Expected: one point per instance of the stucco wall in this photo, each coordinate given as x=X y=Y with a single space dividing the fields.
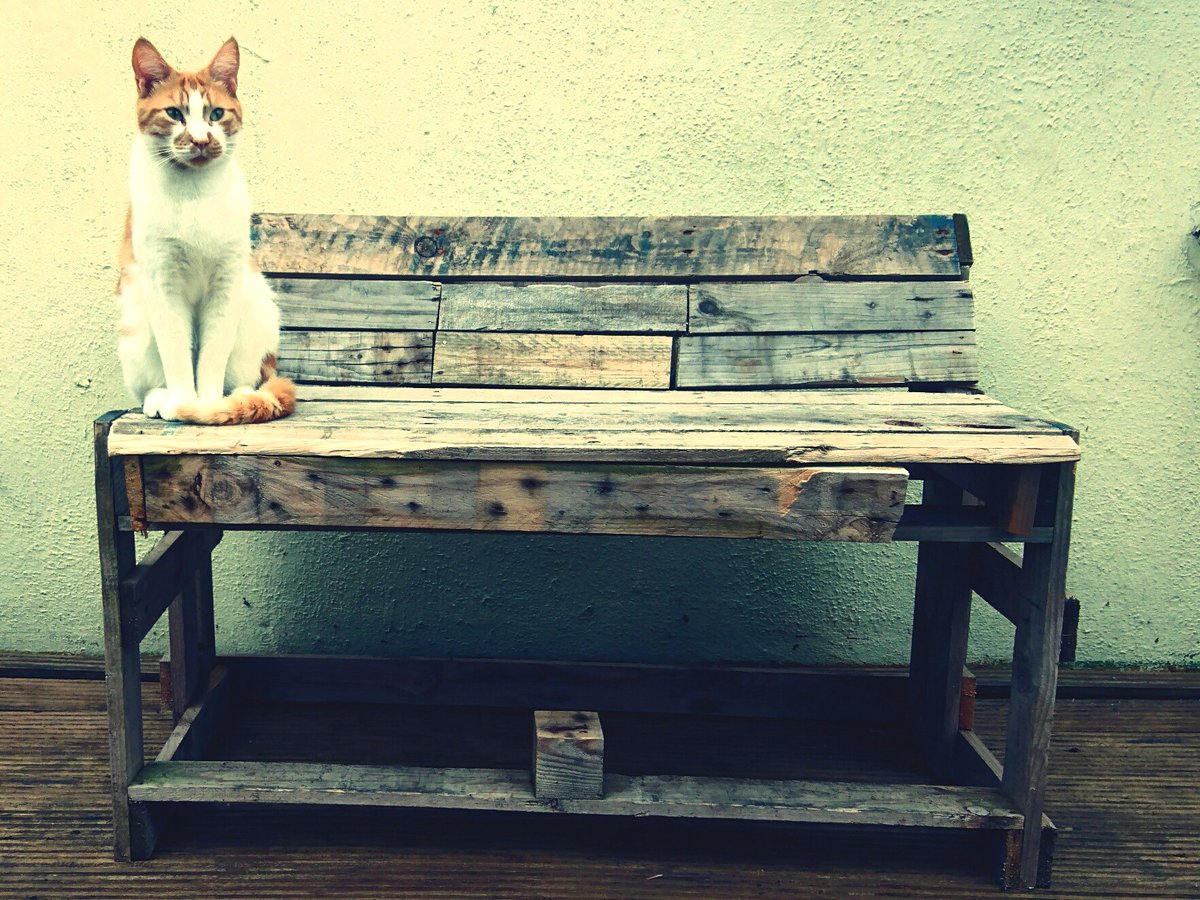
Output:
x=1068 y=132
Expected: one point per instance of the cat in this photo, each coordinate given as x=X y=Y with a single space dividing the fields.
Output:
x=199 y=328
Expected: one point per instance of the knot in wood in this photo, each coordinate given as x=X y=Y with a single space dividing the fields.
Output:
x=219 y=490
x=426 y=246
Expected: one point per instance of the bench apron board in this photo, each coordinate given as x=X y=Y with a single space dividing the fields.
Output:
x=782 y=378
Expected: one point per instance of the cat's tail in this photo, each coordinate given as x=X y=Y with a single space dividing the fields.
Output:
x=274 y=398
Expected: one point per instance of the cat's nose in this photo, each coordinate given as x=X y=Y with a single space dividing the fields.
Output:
x=202 y=141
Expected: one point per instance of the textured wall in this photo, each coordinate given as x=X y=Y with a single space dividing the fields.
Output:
x=1067 y=132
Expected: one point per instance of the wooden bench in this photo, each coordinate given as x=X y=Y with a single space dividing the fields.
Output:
x=781 y=378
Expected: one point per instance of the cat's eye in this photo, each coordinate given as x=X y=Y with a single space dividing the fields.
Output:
x=175 y=113
x=216 y=114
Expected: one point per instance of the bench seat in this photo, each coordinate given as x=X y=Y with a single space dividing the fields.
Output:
x=885 y=426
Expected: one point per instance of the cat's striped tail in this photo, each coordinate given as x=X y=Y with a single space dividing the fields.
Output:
x=274 y=398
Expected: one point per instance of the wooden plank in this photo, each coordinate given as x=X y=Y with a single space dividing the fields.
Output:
x=362 y=357
x=941 y=620
x=654 y=447
x=156 y=580
x=356 y=304
x=798 y=415
x=775 y=360
x=502 y=789
x=580 y=308
x=853 y=503
x=134 y=829
x=1039 y=618
x=882 y=395
x=834 y=694
x=1021 y=499
x=568 y=754
x=552 y=360
x=996 y=578
x=199 y=723
x=812 y=304
x=662 y=247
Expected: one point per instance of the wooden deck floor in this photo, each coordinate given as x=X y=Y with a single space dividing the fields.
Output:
x=1124 y=792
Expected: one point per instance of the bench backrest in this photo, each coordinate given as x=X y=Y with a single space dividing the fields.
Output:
x=669 y=302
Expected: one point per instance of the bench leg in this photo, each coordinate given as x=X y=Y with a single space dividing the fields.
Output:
x=941 y=618
x=1035 y=666
x=193 y=638
x=134 y=828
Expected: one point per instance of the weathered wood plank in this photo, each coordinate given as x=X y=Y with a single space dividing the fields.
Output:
x=580 y=308
x=568 y=754
x=357 y=304
x=836 y=694
x=134 y=829
x=157 y=579
x=735 y=360
x=879 y=396
x=899 y=246
x=582 y=360
x=789 y=417
x=365 y=357
x=408 y=440
x=503 y=789
x=996 y=577
x=853 y=504
x=1039 y=618
x=813 y=304
x=200 y=721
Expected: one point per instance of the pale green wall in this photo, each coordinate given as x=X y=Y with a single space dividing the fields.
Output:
x=1069 y=132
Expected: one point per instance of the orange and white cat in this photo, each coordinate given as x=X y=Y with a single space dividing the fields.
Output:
x=199 y=328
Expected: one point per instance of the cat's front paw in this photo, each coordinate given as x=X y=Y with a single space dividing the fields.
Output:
x=161 y=403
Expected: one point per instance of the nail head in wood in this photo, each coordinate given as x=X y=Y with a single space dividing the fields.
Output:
x=568 y=755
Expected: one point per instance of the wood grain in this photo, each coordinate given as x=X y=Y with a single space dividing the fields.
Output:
x=411 y=440
x=356 y=304
x=568 y=754
x=853 y=504
x=813 y=304
x=581 y=360
x=500 y=789
x=364 y=357
x=581 y=308
x=732 y=360
x=913 y=246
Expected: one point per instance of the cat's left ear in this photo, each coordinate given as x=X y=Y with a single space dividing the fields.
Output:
x=224 y=66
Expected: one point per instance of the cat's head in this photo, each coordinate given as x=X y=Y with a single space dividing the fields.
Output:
x=189 y=120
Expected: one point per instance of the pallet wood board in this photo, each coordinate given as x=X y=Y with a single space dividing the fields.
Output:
x=618 y=416
x=812 y=304
x=600 y=247
x=356 y=304
x=552 y=360
x=369 y=357
x=761 y=360
x=851 y=504
x=672 y=796
x=407 y=440
x=580 y=308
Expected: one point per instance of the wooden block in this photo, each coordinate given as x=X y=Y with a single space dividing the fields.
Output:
x=812 y=304
x=762 y=360
x=568 y=755
x=355 y=304
x=553 y=360
x=357 y=357
x=597 y=247
x=580 y=308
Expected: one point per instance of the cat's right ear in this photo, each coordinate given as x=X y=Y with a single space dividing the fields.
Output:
x=149 y=68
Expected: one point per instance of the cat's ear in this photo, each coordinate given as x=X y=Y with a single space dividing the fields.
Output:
x=224 y=66
x=149 y=68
